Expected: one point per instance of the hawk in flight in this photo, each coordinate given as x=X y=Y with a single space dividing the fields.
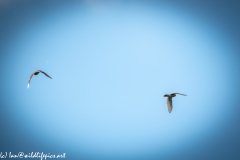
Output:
x=169 y=100
x=36 y=73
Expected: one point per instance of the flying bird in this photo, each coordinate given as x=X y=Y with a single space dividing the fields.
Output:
x=169 y=100
x=36 y=73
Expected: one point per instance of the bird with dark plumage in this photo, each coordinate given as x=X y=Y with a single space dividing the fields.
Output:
x=36 y=73
x=169 y=100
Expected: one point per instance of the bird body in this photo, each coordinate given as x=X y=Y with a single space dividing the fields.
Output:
x=36 y=73
x=169 y=100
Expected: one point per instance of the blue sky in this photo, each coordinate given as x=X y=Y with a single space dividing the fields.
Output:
x=111 y=64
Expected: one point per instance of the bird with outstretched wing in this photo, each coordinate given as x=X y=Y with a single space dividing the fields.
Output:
x=36 y=73
x=169 y=100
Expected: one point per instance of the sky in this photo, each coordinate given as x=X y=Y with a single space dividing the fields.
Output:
x=111 y=62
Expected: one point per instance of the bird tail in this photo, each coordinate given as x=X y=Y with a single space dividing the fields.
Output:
x=28 y=85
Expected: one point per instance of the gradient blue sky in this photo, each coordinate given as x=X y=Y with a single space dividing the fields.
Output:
x=111 y=64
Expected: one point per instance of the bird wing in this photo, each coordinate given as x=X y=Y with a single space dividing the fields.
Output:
x=180 y=94
x=169 y=104
x=30 y=79
x=45 y=74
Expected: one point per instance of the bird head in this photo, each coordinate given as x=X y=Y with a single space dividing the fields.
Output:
x=165 y=95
